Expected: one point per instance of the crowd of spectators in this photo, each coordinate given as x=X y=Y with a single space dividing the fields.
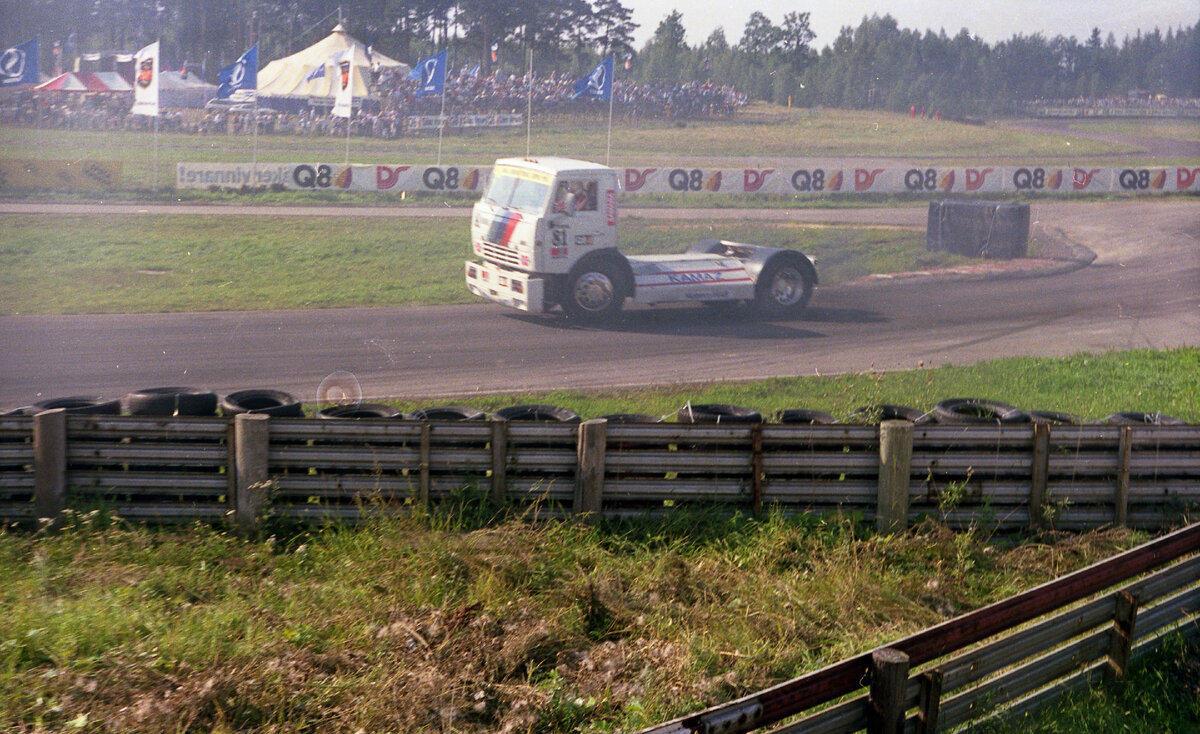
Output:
x=392 y=112
x=1134 y=101
x=509 y=93
x=1133 y=106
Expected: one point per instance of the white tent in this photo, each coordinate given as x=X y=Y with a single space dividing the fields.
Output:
x=176 y=90
x=292 y=76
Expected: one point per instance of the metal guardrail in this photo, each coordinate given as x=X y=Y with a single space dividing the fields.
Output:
x=242 y=469
x=1009 y=675
x=1003 y=477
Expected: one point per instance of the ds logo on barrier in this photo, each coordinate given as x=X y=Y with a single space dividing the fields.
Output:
x=976 y=178
x=864 y=179
x=753 y=180
x=1185 y=177
x=636 y=179
x=386 y=176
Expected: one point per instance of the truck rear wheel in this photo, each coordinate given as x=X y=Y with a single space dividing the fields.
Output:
x=783 y=287
x=594 y=292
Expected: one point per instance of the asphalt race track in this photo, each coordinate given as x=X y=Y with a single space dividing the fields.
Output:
x=1143 y=290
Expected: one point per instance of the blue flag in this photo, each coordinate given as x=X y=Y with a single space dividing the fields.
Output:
x=19 y=64
x=598 y=83
x=431 y=73
x=317 y=73
x=241 y=74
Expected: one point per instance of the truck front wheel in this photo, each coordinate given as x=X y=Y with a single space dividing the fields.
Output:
x=783 y=288
x=593 y=292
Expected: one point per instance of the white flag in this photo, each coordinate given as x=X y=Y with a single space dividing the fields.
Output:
x=145 y=85
x=343 y=102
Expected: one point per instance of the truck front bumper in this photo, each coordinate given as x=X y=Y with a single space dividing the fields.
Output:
x=510 y=288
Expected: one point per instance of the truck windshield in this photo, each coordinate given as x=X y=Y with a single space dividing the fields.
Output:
x=517 y=193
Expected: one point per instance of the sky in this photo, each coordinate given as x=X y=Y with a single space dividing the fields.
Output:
x=991 y=20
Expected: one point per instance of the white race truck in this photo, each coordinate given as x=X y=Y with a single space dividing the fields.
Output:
x=545 y=233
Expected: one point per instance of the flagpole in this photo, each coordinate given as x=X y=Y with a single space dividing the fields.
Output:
x=442 y=117
x=255 y=164
x=612 y=92
x=350 y=106
x=529 y=102
x=156 y=154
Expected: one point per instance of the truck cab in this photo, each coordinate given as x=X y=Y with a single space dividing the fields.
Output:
x=545 y=233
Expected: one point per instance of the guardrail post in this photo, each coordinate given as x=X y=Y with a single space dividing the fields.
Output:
x=50 y=464
x=499 y=460
x=889 y=678
x=589 y=479
x=1121 y=493
x=425 y=480
x=756 y=469
x=251 y=442
x=1122 y=638
x=1039 y=476
x=930 y=701
x=895 y=465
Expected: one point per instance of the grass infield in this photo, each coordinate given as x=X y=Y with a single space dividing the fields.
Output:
x=156 y=263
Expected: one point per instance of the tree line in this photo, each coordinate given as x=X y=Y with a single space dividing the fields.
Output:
x=875 y=65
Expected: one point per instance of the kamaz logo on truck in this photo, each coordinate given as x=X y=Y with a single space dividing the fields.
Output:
x=692 y=277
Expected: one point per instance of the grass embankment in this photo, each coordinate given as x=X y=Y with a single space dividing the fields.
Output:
x=761 y=134
x=1088 y=385
x=152 y=263
x=458 y=622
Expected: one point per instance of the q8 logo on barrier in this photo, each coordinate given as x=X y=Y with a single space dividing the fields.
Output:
x=450 y=178
x=1141 y=179
x=1036 y=179
x=808 y=181
x=916 y=179
x=680 y=179
x=321 y=177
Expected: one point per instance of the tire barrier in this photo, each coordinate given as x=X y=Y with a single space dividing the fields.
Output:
x=1142 y=419
x=271 y=402
x=362 y=410
x=992 y=230
x=717 y=413
x=77 y=404
x=976 y=410
x=170 y=401
x=630 y=418
x=875 y=414
x=447 y=413
x=193 y=401
x=550 y=413
x=1054 y=418
x=800 y=416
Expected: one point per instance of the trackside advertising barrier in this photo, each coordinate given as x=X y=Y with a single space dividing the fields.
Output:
x=330 y=176
x=786 y=181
